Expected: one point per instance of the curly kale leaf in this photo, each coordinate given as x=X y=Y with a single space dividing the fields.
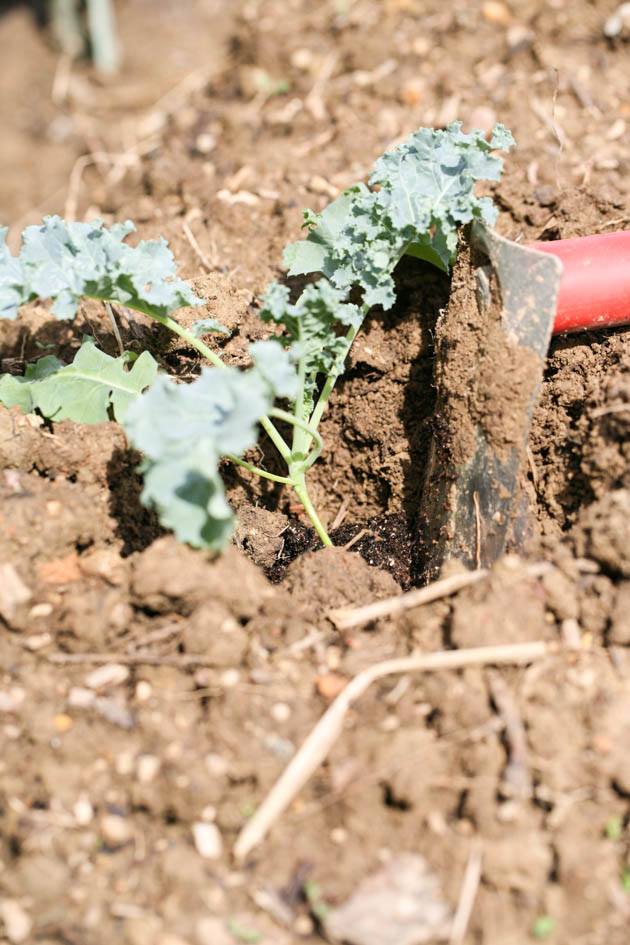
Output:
x=313 y=327
x=83 y=391
x=66 y=261
x=184 y=430
x=425 y=190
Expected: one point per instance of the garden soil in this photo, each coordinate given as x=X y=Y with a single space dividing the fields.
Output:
x=150 y=695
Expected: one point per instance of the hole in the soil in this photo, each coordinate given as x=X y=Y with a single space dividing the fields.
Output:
x=14 y=845
x=460 y=807
x=390 y=798
x=170 y=816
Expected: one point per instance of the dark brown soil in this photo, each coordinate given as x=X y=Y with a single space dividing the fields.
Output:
x=214 y=674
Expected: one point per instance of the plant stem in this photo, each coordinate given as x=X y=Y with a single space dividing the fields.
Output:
x=298 y=424
x=299 y=484
x=278 y=441
x=323 y=398
x=192 y=339
x=102 y=30
x=250 y=467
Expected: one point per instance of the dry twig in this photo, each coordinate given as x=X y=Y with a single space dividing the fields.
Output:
x=345 y=618
x=128 y=659
x=326 y=732
x=467 y=896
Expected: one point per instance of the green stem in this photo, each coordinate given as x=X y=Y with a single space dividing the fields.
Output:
x=298 y=408
x=327 y=389
x=299 y=424
x=192 y=339
x=299 y=484
x=250 y=467
x=278 y=441
x=102 y=30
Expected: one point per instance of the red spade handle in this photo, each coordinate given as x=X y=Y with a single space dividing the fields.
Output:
x=595 y=284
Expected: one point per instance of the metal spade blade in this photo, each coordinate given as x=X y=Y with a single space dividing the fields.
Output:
x=491 y=345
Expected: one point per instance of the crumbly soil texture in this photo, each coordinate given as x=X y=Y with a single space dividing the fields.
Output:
x=151 y=695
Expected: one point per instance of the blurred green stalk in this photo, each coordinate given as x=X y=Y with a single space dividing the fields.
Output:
x=102 y=31
x=68 y=29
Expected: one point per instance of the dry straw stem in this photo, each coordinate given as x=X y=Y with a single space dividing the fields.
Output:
x=345 y=618
x=468 y=894
x=321 y=739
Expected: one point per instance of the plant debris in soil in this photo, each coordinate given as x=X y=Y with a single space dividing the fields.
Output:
x=151 y=695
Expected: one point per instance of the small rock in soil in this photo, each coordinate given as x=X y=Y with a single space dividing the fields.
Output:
x=13 y=592
x=208 y=841
x=17 y=922
x=115 y=830
x=112 y=674
x=400 y=905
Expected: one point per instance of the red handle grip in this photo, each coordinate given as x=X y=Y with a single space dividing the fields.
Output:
x=595 y=284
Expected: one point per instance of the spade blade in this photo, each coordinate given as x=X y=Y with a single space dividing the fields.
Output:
x=491 y=345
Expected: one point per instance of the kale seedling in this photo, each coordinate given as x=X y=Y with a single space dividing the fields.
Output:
x=419 y=195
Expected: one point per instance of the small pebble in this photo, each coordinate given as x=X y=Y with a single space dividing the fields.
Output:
x=144 y=691
x=205 y=143
x=209 y=813
x=617 y=130
x=62 y=722
x=80 y=698
x=11 y=699
x=303 y=925
x=329 y=685
x=519 y=38
x=280 y=712
x=125 y=763
x=496 y=13
x=17 y=922
x=116 y=831
x=338 y=836
x=390 y=723
x=41 y=610
x=412 y=92
x=83 y=811
x=230 y=678
x=619 y=23
x=216 y=765
x=302 y=59
x=208 y=841
x=37 y=641
x=112 y=674
x=147 y=768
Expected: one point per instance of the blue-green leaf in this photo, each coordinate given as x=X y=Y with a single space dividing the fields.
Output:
x=276 y=365
x=66 y=261
x=314 y=326
x=83 y=391
x=183 y=430
x=422 y=192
